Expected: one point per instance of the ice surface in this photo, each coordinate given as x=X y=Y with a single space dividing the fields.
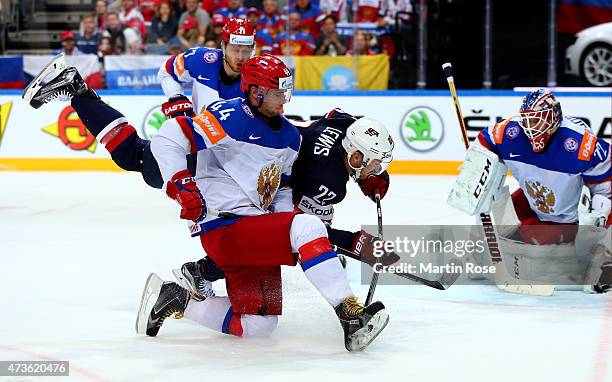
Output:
x=76 y=248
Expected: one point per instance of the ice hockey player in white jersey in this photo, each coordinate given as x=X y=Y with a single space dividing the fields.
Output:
x=246 y=150
x=552 y=157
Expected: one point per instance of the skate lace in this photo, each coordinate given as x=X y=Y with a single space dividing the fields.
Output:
x=352 y=308
x=177 y=315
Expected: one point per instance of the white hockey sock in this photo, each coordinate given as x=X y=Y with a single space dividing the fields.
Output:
x=318 y=260
x=216 y=313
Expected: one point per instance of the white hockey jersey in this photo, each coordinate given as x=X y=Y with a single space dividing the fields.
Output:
x=243 y=165
x=552 y=180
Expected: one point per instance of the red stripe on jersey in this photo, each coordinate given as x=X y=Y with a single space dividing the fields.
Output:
x=169 y=67
x=184 y=124
x=116 y=136
x=483 y=141
x=314 y=248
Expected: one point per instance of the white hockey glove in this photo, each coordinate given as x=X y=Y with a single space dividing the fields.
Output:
x=593 y=211
x=482 y=176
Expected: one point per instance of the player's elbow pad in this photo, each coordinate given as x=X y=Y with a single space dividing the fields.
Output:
x=481 y=177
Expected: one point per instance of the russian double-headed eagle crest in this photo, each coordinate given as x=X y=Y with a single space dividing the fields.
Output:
x=267 y=184
x=542 y=196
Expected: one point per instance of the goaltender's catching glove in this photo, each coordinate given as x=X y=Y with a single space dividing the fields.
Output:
x=183 y=188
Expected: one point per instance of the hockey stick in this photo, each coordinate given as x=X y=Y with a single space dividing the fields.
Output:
x=444 y=283
x=380 y=236
x=485 y=219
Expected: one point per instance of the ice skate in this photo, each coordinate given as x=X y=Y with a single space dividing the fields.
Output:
x=361 y=324
x=171 y=299
x=56 y=80
x=191 y=277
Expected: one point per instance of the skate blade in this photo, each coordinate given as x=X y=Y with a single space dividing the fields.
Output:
x=364 y=336
x=152 y=288
x=56 y=65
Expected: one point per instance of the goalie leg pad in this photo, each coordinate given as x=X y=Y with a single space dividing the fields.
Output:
x=481 y=177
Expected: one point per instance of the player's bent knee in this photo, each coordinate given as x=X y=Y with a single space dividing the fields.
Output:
x=258 y=326
x=304 y=229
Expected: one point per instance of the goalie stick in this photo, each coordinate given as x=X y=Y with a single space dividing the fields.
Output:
x=486 y=220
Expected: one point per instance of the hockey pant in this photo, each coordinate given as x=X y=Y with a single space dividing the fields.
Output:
x=337 y=237
x=250 y=251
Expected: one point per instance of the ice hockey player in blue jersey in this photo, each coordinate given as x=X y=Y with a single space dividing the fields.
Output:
x=552 y=157
x=246 y=150
x=212 y=73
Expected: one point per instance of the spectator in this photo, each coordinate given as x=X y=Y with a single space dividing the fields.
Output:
x=308 y=14
x=300 y=43
x=131 y=16
x=390 y=8
x=188 y=33
x=263 y=39
x=211 y=44
x=360 y=45
x=174 y=47
x=101 y=16
x=329 y=43
x=87 y=40
x=114 y=6
x=234 y=9
x=105 y=47
x=271 y=19
x=336 y=8
x=211 y=6
x=68 y=44
x=214 y=33
x=147 y=8
x=179 y=6
x=124 y=40
x=252 y=4
x=200 y=15
x=370 y=11
x=164 y=25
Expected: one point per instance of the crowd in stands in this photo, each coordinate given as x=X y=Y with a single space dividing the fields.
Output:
x=301 y=27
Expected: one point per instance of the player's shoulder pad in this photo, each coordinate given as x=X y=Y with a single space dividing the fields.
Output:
x=232 y=114
x=575 y=132
x=202 y=60
x=500 y=129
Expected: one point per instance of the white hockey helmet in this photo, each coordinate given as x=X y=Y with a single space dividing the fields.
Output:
x=371 y=138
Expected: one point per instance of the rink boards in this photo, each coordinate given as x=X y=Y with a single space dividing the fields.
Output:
x=422 y=123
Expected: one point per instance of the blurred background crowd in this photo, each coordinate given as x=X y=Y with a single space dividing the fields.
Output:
x=416 y=35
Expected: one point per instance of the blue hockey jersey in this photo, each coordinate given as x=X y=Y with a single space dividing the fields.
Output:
x=202 y=67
